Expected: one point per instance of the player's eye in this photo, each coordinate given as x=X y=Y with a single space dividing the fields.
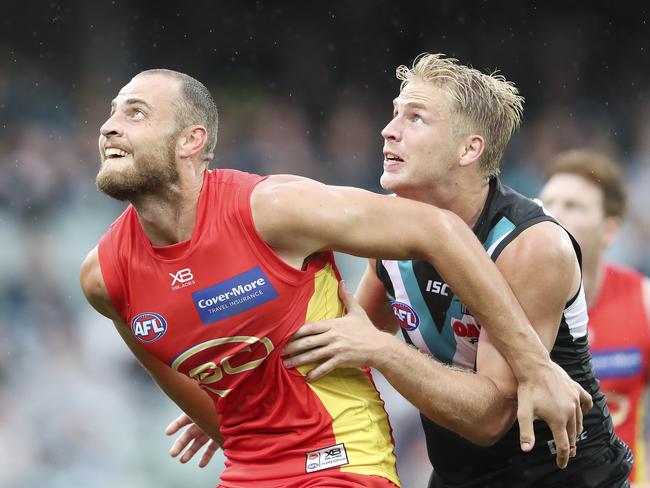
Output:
x=138 y=114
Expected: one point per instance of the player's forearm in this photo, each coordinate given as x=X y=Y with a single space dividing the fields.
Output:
x=465 y=403
x=195 y=403
x=475 y=279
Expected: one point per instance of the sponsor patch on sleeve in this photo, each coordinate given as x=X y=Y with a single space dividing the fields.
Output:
x=234 y=296
x=327 y=457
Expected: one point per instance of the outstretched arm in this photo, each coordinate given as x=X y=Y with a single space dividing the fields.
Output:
x=298 y=217
x=480 y=407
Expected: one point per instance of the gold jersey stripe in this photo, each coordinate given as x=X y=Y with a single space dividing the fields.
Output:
x=359 y=419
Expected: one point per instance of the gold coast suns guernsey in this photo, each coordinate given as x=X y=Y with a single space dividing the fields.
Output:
x=219 y=308
x=619 y=338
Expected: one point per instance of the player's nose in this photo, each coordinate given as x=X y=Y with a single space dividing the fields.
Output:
x=112 y=126
x=391 y=131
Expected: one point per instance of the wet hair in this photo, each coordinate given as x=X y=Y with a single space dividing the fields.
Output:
x=599 y=169
x=194 y=106
x=482 y=103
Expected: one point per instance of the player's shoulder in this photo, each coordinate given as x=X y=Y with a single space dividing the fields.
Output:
x=93 y=285
x=90 y=272
x=543 y=243
x=290 y=197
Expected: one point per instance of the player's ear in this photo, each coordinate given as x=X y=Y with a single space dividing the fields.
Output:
x=471 y=149
x=191 y=141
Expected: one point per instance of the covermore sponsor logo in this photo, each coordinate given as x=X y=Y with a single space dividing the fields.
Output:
x=234 y=296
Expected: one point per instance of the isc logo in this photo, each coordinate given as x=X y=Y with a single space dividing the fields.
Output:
x=406 y=316
x=148 y=326
x=437 y=287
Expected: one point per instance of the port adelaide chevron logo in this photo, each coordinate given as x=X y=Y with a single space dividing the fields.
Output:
x=148 y=326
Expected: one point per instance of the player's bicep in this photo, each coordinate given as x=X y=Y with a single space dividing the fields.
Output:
x=543 y=272
x=306 y=216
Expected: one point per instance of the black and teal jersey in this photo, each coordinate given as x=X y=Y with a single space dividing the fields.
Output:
x=433 y=319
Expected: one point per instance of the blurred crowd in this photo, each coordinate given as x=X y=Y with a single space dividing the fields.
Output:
x=71 y=396
x=75 y=409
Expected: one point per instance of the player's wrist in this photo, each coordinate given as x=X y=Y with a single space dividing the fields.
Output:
x=530 y=367
x=384 y=351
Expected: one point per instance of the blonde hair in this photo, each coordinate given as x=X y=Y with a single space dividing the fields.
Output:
x=486 y=104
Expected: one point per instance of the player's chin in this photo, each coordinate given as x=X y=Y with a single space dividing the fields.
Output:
x=390 y=181
x=116 y=164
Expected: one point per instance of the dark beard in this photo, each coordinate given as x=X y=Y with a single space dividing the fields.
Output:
x=149 y=174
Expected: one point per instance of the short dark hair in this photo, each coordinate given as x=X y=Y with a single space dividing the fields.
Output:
x=600 y=170
x=195 y=106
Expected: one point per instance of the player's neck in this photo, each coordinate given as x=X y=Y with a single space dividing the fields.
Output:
x=593 y=276
x=465 y=197
x=169 y=216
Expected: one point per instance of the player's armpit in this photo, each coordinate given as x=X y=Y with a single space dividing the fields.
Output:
x=542 y=270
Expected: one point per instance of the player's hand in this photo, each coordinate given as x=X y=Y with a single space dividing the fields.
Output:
x=193 y=437
x=552 y=396
x=345 y=342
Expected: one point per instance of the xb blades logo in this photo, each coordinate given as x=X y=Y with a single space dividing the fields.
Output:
x=182 y=278
x=332 y=452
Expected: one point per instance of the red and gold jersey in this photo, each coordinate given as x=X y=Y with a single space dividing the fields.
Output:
x=219 y=308
x=619 y=338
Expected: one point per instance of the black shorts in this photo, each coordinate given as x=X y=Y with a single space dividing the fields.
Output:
x=608 y=467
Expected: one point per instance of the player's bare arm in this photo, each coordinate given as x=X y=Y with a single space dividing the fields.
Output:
x=481 y=406
x=539 y=263
x=297 y=217
x=181 y=389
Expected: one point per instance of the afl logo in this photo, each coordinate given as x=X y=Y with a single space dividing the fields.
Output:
x=406 y=316
x=148 y=326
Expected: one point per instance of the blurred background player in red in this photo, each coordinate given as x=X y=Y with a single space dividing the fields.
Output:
x=586 y=191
